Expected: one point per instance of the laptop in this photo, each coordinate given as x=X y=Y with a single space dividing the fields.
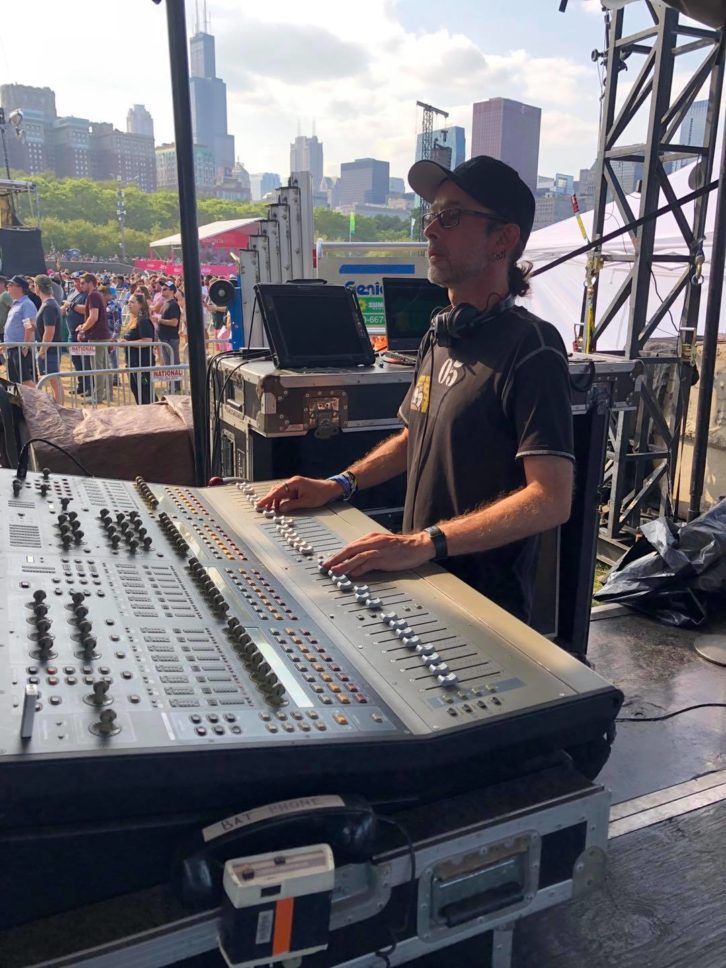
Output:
x=313 y=326
x=409 y=305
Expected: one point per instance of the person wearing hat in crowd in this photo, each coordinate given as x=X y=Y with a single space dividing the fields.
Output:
x=487 y=443
x=20 y=328
x=167 y=322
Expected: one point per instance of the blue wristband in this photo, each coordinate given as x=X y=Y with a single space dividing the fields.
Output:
x=345 y=483
x=348 y=482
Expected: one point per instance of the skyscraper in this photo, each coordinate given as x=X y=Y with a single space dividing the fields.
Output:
x=508 y=130
x=139 y=121
x=306 y=154
x=449 y=146
x=34 y=153
x=209 y=101
x=263 y=183
x=363 y=181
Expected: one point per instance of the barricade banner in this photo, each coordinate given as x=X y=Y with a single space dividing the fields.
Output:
x=169 y=374
x=78 y=349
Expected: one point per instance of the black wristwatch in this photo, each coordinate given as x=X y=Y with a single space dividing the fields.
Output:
x=441 y=549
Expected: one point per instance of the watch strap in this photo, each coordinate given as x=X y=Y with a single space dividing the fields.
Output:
x=441 y=549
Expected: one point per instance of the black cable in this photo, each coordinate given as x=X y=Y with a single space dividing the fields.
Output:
x=679 y=202
x=396 y=935
x=658 y=719
x=24 y=458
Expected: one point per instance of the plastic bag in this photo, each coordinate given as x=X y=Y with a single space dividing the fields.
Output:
x=672 y=570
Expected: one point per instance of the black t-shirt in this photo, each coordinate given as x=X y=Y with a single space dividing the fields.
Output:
x=171 y=310
x=474 y=410
x=76 y=312
x=49 y=314
x=142 y=329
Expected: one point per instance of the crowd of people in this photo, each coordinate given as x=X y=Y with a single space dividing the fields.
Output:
x=41 y=316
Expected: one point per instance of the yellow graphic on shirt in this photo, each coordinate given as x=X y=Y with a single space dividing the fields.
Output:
x=420 y=396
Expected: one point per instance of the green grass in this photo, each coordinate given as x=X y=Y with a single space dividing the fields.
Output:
x=601 y=571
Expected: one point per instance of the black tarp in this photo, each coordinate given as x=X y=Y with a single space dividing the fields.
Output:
x=673 y=570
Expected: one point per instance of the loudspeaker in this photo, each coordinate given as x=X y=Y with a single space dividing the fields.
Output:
x=21 y=252
x=221 y=292
x=460 y=321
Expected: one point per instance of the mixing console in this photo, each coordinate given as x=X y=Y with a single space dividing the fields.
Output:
x=161 y=643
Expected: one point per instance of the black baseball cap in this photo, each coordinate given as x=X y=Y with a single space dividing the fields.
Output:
x=20 y=281
x=488 y=180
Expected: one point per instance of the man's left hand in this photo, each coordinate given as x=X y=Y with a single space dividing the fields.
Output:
x=382 y=552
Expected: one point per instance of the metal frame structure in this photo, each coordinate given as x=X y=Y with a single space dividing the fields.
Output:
x=427 y=144
x=644 y=446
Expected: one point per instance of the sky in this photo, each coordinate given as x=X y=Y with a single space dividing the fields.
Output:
x=353 y=70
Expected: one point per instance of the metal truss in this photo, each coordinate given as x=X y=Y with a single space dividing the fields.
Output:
x=427 y=145
x=644 y=445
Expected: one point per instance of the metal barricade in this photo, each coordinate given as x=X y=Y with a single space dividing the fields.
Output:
x=76 y=379
x=212 y=346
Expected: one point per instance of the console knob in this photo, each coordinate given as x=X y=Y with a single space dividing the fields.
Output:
x=106 y=725
x=133 y=544
x=84 y=627
x=17 y=486
x=80 y=612
x=77 y=598
x=39 y=595
x=147 y=542
x=65 y=501
x=42 y=626
x=39 y=609
x=99 y=696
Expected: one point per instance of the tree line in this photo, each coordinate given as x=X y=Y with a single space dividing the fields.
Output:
x=77 y=213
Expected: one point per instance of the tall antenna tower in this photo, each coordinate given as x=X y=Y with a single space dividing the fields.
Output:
x=427 y=144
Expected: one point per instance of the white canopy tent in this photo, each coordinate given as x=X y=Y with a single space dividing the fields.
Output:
x=557 y=294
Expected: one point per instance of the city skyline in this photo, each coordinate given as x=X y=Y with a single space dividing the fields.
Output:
x=358 y=79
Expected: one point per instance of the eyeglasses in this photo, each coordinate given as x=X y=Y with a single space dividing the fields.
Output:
x=449 y=218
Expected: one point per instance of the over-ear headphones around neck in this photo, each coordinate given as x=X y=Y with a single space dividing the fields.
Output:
x=458 y=322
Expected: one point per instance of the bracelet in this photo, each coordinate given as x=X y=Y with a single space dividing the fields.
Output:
x=441 y=548
x=348 y=482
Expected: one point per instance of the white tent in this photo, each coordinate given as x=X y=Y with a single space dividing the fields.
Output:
x=557 y=294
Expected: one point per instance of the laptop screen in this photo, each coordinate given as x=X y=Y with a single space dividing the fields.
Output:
x=409 y=305
x=314 y=326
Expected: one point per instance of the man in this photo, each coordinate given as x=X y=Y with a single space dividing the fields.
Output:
x=49 y=330
x=487 y=442
x=167 y=324
x=20 y=328
x=56 y=282
x=6 y=301
x=95 y=330
x=75 y=313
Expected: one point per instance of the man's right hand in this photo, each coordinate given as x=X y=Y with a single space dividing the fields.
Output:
x=300 y=492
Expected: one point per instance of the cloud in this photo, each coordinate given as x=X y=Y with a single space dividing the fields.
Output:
x=294 y=53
